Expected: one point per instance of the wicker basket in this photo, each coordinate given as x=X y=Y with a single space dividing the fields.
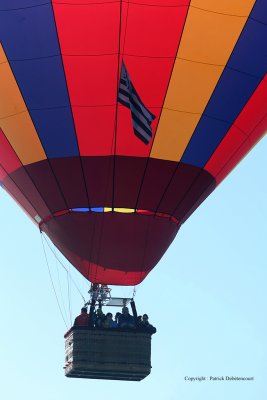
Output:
x=107 y=354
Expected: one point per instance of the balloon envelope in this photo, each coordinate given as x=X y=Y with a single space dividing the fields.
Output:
x=68 y=152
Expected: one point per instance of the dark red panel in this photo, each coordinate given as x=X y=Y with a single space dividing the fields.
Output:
x=62 y=183
x=30 y=191
x=157 y=176
x=99 y=177
x=12 y=165
x=131 y=244
x=72 y=181
x=128 y=177
x=47 y=185
x=177 y=187
x=16 y=194
x=200 y=188
x=188 y=206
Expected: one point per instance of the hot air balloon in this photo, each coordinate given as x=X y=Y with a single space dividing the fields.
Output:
x=110 y=201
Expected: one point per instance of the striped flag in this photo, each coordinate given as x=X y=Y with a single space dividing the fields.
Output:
x=141 y=116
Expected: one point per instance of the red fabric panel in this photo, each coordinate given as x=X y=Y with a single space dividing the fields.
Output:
x=94 y=106
x=149 y=39
x=89 y=50
x=255 y=109
x=95 y=126
x=154 y=31
x=3 y=174
x=244 y=148
x=8 y=157
x=227 y=149
x=150 y=46
x=259 y=131
x=241 y=136
x=92 y=28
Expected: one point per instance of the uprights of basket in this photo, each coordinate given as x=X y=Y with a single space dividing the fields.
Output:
x=99 y=293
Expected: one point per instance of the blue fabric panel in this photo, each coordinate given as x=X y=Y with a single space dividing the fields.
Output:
x=250 y=55
x=30 y=41
x=231 y=94
x=29 y=33
x=209 y=131
x=18 y=4
x=53 y=127
x=259 y=11
x=86 y=209
x=97 y=209
x=52 y=92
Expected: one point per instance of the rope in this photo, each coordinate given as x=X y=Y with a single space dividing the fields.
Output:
x=60 y=289
x=69 y=296
x=53 y=286
x=75 y=284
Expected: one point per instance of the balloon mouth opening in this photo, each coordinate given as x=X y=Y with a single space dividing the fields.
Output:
x=122 y=210
x=112 y=247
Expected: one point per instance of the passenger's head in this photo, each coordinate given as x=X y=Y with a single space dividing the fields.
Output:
x=109 y=315
x=125 y=310
x=84 y=310
x=145 y=317
x=139 y=318
x=99 y=311
x=117 y=315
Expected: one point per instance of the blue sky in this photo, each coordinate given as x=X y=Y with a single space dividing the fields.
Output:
x=207 y=297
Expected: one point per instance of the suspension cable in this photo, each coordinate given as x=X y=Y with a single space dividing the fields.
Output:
x=69 y=295
x=63 y=266
x=53 y=286
x=61 y=292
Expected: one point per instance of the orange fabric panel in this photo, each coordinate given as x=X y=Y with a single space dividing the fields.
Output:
x=15 y=119
x=206 y=45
